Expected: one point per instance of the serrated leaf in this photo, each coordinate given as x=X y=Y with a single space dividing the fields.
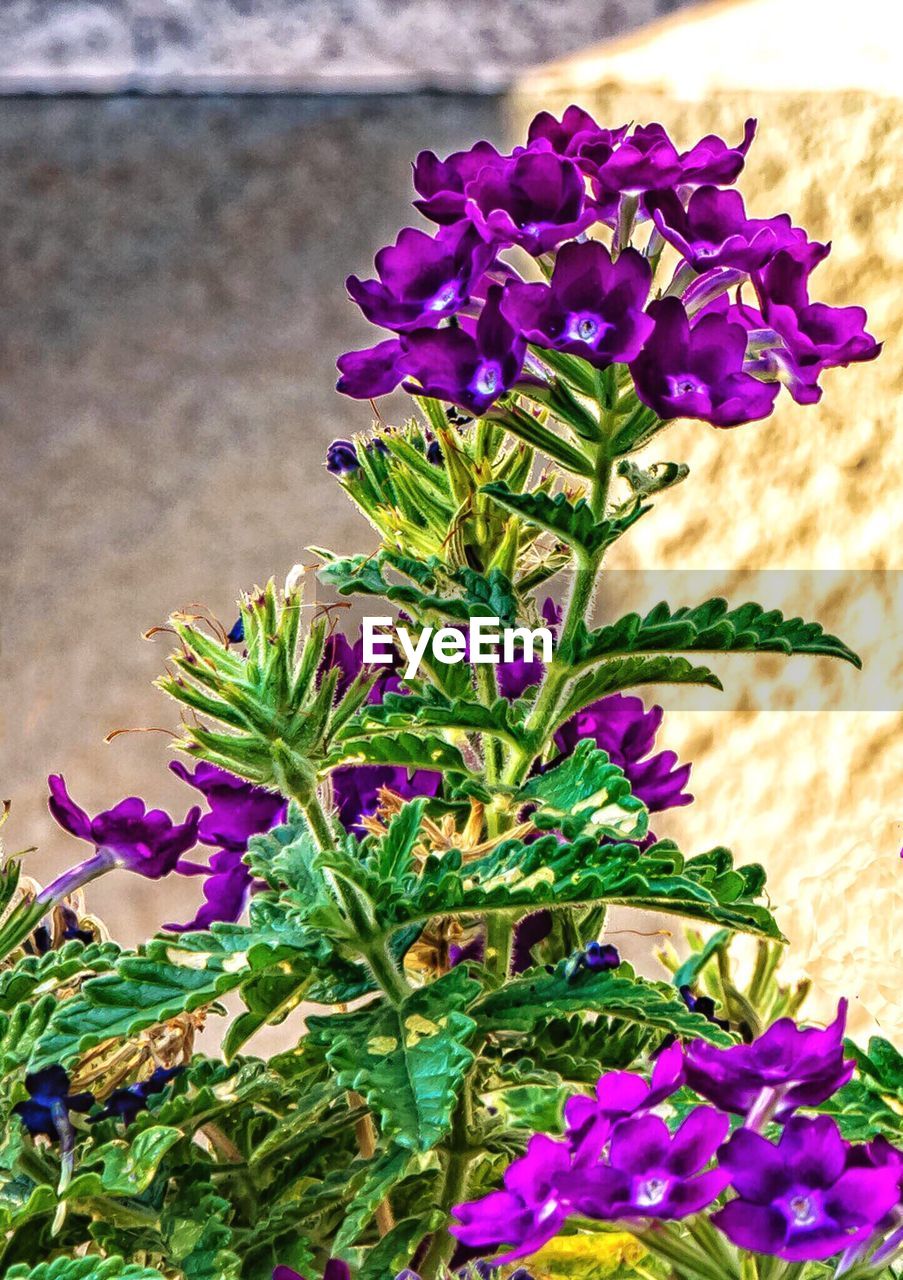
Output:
x=405 y=749
x=128 y=1168
x=92 y=1268
x=587 y=793
x=408 y=1061
x=433 y=588
x=381 y=1174
x=433 y=710
x=572 y=522
x=629 y=672
x=526 y=1001
x=712 y=627
x=32 y=975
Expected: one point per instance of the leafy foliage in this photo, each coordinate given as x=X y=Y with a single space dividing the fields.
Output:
x=712 y=627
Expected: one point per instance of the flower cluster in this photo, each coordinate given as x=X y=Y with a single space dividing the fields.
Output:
x=806 y=1197
x=595 y=208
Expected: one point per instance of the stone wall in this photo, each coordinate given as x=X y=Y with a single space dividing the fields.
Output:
x=101 y=46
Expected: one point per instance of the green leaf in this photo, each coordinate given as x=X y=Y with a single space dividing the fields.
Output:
x=433 y=710
x=91 y=1268
x=408 y=1061
x=711 y=627
x=627 y=673
x=395 y=1248
x=413 y=751
x=432 y=588
x=524 y=1002
x=56 y=969
x=128 y=1168
x=381 y=1174
x=872 y=1102
x=572 y=522
x=586 y=792
x=688 y=973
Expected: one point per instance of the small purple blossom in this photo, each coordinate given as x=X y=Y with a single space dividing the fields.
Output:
x=713 y=160
x=423 y=279
x=238 y=809
x=535 y=200
x=591 y=307
x=802 y=1199
x=125 y=1104
x=334 y=1270
x=785 y=1068
x=569 y=135
x=620 y=1094
x=373 y=372
x=650 y=1172
x=441 y=183
x=530 y=1209
x=47 y=1109
x=697 y=371
x=815 y=336
x=236 y=634
x=342 y=459
x=714 y=231
x=704 y=1006
x=646 y=160
x=130 y=835
x=469 y=369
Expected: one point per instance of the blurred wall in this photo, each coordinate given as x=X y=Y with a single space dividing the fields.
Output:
x=815 y=796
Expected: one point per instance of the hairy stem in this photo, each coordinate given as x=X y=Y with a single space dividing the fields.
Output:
x=454 y=1188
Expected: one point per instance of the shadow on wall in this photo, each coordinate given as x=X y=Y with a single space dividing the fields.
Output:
x=815 y=796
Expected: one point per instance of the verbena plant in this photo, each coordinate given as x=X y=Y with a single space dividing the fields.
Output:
x=425 y=855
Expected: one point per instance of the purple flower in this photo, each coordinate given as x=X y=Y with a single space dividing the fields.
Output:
x=125 y=1104
x=441 y=183
x=714 y=231
x=238 y=809
x=472 y=370
x=422 y=278
x=334 y=1270
x=373 y=372
x=815 y=336
x=237 y=634
x=621 y=725
x=801 y=1200
x=46 y=1111
x=530 y=1209
x=697 y=372
x=712 y=160
x=534 y=200
x=704 y=1006
x=356 y=788
x=785 y=1068
x=568 y=136
x=620 y=1094
x=644 y=161
x=129 y=835
x=342 y=459
x=592 y=307
x=652 y=1173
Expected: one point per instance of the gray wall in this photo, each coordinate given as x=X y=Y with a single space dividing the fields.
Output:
x=172 y=304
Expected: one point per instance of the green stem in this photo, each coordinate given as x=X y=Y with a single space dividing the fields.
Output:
x=499 y=941
x=492 y=746
x=453 y=1190
x=386 y=973
x=317 y=820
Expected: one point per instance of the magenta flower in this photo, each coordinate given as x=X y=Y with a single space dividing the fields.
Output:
x=714 y=231
x=334 y=1270
x=802 y=1199
x=713 y=160
x=238 y=809
x=618 y=1095
x=787 y=1067
x=535 y=200
x=130 y=835
x=422 y=278
x=815 y=336
x=646 y=160
x=698 y=371
x=471 y=369
x=569 y=135
x=530 y=1209
x=591 y=307
x=372 y=372
x=441 y=183
x=650 y=1172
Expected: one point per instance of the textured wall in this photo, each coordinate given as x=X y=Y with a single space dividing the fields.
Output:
x=98 y=46
x=815 y=796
